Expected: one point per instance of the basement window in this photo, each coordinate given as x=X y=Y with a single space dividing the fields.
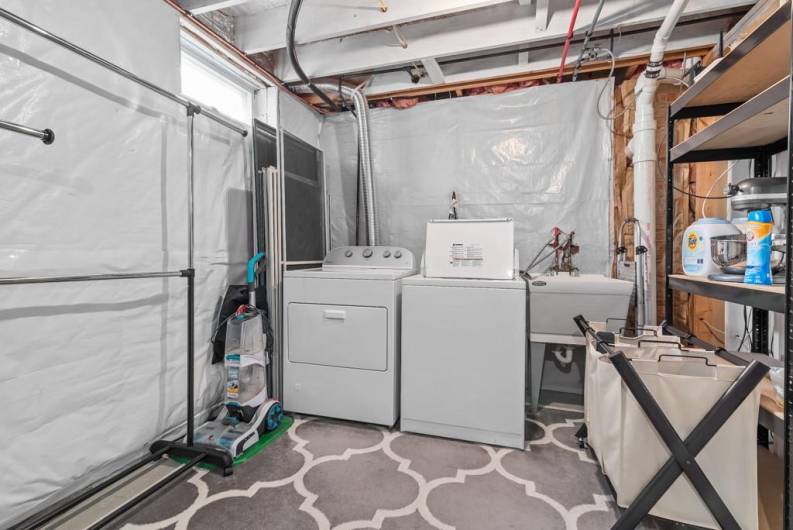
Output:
x=208 y=81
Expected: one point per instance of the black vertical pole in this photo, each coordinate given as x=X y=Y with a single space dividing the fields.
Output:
x=760 y=345
x=762 y=166
x=670 y=216
x=200 y=452
x=760 y=340
x=190 y=355
x=760 y=331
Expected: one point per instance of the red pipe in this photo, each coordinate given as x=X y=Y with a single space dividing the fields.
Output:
x=568 y=39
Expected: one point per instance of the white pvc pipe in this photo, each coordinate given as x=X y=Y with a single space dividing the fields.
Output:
x=645 y=157
x=663 y=34
x=567 y=356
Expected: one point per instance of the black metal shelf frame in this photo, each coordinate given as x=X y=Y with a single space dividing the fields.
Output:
x=761 y=155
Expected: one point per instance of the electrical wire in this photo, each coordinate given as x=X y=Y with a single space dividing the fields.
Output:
x=746 y=329
x=675 y=80
x=729 y=167
x=701 y=196
x=291 y=23
x=603 y=89
x=712 y=329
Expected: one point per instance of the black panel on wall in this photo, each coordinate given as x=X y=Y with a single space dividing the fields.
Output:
x=303 y=201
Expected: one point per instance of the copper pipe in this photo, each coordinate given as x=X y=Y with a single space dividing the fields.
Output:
x=235 y=51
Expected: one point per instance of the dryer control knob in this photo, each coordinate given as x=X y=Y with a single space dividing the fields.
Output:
x=398 y=254
x=387 y=254
x=367 y=253
x=348 y=253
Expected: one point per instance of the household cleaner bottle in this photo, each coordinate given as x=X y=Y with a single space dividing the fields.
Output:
x=758 y=247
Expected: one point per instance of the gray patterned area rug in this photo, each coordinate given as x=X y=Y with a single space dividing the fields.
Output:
x=332 y=474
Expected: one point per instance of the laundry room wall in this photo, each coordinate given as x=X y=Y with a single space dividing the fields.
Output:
x=91 y=372
x=503 y=156
x=299 y=120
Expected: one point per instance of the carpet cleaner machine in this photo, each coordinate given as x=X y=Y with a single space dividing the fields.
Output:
x=248 y=412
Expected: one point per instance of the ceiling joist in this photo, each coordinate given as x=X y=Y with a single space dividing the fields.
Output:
x=478 y=32
x=433 y=70
x=549 y=74
x=328 y=19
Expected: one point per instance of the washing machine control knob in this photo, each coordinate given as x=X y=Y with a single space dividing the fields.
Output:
x=387 y=254
x=367 y=253
x=398 y=254
x=348 y=253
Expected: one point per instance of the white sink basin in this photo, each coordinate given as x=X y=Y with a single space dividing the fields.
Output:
x=556 y=299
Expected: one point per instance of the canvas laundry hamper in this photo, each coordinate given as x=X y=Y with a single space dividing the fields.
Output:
x=686 y=388
x=609 y=399
x=602 y=389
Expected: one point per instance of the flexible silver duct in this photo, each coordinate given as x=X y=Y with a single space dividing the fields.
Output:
x=364 y=147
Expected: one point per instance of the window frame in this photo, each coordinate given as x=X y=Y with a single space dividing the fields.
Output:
x=223 y=71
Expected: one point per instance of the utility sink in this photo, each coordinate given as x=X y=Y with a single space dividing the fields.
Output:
x=556 y=299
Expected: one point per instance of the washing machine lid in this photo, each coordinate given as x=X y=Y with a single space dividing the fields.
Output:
x=420 y=279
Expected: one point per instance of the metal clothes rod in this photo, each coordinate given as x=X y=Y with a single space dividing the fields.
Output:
x=91 y=277
x=21 y=22
x=45 y=135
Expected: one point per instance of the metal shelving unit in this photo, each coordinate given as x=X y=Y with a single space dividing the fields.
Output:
x=768 y=298
x=760 y=123
x=750 y=90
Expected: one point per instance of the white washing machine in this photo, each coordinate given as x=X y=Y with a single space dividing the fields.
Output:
x=341 y=334
x=464 y=359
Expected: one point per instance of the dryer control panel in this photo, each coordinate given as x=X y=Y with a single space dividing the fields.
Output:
x=376 y=257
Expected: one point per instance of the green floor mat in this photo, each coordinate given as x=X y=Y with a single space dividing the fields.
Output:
x=255 y=449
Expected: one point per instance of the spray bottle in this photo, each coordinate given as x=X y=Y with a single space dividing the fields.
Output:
x=758 y=247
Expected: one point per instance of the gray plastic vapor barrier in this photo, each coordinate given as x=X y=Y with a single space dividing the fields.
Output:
x=91 y=372
x=540 y=155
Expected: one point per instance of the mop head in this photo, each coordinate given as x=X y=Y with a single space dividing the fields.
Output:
x=268 y=438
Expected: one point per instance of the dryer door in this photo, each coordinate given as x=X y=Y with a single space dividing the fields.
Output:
x=344 y=336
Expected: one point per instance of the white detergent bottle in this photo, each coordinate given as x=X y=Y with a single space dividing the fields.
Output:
x=696 y=245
